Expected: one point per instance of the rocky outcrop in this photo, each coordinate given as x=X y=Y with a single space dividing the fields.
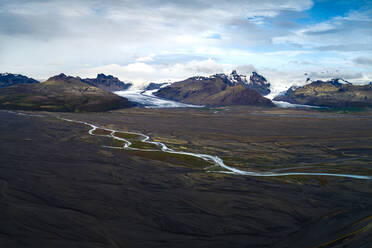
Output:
x=108 y=83
x=154 y=86
x=259 y=84
x=60 y=93
x=8 y=79
x=337 y=93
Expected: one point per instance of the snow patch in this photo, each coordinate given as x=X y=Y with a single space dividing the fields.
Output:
x=282 y=104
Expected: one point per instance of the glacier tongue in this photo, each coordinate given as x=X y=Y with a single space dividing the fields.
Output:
x=148 y=100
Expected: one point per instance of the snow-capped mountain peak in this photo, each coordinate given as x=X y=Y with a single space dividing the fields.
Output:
x=235 y=78
x=9 y=74
x=335 y=81
x=255 y=81
x=341 y=81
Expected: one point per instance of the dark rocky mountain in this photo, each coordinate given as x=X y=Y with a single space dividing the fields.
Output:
x=8 y=79
x=336 y=93
x=256 y=81
x=108 y=83
x=259 y=84
x=60 y=93
x=217 y=90
x=154 y=86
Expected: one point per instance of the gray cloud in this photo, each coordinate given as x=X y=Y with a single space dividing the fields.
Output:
x=168 y=59
x=45 y=17
x=363 y=61
x=92 y=29
x=323 y=32
x=32 y=26
x=335 y=74
x=349 y=47
x=245 y=69
x=301 y=62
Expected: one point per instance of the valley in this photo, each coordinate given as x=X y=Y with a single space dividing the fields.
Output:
x=114 y=197
x=185 y=124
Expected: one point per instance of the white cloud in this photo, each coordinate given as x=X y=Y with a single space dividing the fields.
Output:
x=140 y=67
x=245 y=69
x=148 y=58
x=141 y=73
x=145 y=73
x=161 y=40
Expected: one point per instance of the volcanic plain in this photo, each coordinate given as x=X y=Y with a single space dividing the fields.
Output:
x=62 y=187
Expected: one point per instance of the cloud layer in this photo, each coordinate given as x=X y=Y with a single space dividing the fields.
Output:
x=159 y=40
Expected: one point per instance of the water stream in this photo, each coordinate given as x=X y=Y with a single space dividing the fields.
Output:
x=213 y=159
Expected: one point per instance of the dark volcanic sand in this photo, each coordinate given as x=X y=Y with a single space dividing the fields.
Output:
x=60 y=188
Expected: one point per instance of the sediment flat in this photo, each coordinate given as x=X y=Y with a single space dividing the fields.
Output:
x=60 y=187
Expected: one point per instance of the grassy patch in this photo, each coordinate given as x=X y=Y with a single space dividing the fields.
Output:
x=170 y=141
x=143 y=145
x=350 y=110
x=117 y=143
x=179 y=159
x=100 y=131
x=303 y=179
x=128 y=136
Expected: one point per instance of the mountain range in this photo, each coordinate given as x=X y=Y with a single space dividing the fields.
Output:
x=8 y=79
x=66 y=93
x=60 y=93
x=219 y=90
x=108 y=83
x=335 y=93
x=105 y=82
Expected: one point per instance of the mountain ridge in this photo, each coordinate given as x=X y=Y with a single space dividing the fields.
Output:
x=60 y=93
x=107 y=82
x=9 y=79
x=216 y=90
x=337 y=93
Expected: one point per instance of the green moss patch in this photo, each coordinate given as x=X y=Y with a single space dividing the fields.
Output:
x=100 y=131
x=117 y=143
x=128 y=136
x=143 y=145
x=179 y=159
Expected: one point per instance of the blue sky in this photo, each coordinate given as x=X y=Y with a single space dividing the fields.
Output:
x=324 y=10
x=162 y=40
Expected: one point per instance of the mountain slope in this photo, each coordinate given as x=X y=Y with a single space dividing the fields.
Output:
x=60 y=93
x=154 y=86
x=216 y=90
x=108 y=83
x=8 y=79
x=334 y=93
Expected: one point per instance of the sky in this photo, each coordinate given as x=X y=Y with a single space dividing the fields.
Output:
x=162 y=40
